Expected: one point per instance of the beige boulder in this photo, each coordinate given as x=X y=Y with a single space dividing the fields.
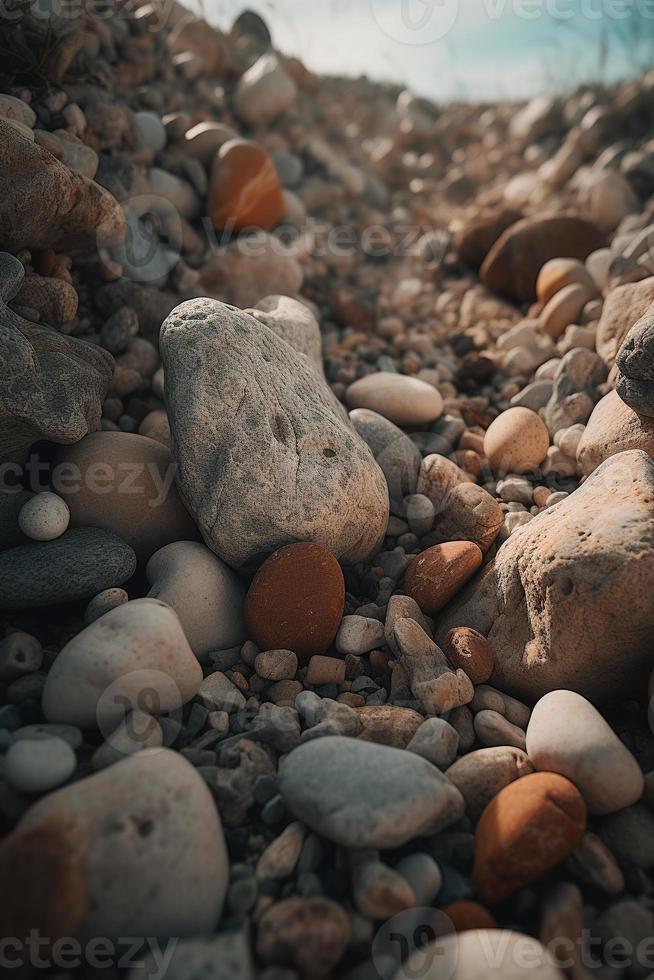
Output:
x=148 y=842
x=623 y=306
x=613 y=428
x=566 y=601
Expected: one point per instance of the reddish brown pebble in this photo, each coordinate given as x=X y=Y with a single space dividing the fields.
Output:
x=466 y=915
x=39 y=871
x=295 y=601
x=467 y=649
x=437 y=574
x=526 y=830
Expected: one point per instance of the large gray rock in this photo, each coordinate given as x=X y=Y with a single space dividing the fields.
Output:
x=566 y=603
x=53 y=386
x=360 y=794
x=78 y=565
x=265 y=453
x=148 y=842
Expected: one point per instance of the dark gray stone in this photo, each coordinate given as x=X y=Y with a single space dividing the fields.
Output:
x=78 y=565
x=635 y=363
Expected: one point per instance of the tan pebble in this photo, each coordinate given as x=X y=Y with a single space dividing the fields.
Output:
x=389 y=724
x=541 y=495
x=353 y=700
x=480 y=775
x=103 y=602
x=325 y=670
x=516 y=442
x=556 y=274
x=276 y=665
x=563 y=309
x=398 y=397
x=284 y=693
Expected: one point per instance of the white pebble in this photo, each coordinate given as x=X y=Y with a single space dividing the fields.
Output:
x=103 y=602
x=44 y=517
x=38 y=765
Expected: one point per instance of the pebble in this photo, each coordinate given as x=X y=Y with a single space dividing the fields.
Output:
x=20 y=653
x=468 y=650
x=77 y=565
x=529 y=827
x=397 y=397
x=103 y=602
x=138 y=731
x=39 y=765
x=133 y=653
x=438 y=688
x=437 y=741
x=244 y=190
x=358 y=794
x=437 y=574
x=516 y=442
x=44 y=517
x=295 y=601
x=593 y=863
x=629 y=835
x=482 y=774
x=264 y=92
x=358 y=634
x=388 y=724
x=325 y=670
x=493 y=728
x=309 y=934
x=379 y=892
x=567 y=735
x=69 y=733
x=466 y=915
x=277 y=665
x=423 y=875
x=207 y=596
x=280 y=858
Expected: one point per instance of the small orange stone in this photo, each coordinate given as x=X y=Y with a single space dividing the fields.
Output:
x=437 y=574
x=244 y=191
x=531 y=826
x=467 y=915
x=467 y=649
x=295 y=601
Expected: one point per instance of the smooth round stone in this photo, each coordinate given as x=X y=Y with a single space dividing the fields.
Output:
x=124 y=483
x=69 y=733
x=556 y=274
x=531 y=826
x=245 y=190
x=564 y=308
x=398 y=397
x=359 y=794
x=38 y=765
x=566 y=734
x=148 y=843
x=151 y=130
x=295 y=601
x=480 y=775
x=516 y=441
x=480 y=953
x=468 y=650
x=134 y=656
x=203 y=140
x=436 y=575
x=44 y=517
x=79 y=564
x=276 y=665
x=310 y=934
x=204 y=592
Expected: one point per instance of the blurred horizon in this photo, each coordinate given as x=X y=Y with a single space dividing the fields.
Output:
x=475 y=50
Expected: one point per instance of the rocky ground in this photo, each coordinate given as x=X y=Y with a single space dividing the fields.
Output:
x=327 y=517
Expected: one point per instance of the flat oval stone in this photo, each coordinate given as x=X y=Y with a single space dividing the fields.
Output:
x=437 y=573
x=78 y=565
x=526 y=830
x=295 y=601
x=566 y=734
x=516 y=441
x=359 y=794
x=38 y=765
x=398 y=397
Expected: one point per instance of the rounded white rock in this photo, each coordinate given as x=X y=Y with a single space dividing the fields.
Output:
x=44 y=517
x=36 y=765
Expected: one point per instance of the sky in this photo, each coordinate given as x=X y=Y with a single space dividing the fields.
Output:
x=460 y=49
